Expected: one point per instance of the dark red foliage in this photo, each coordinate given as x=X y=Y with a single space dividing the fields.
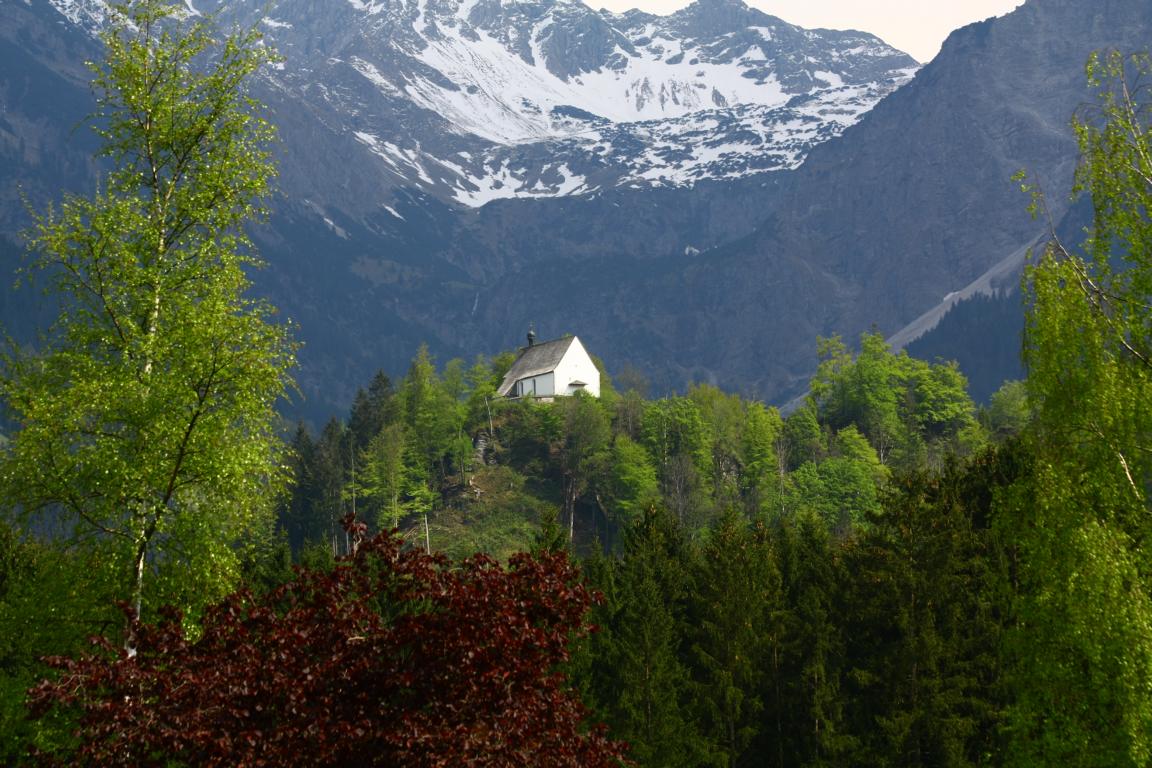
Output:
x=395 y=658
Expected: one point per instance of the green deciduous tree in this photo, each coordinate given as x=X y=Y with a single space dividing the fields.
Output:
x=1008 y=412
x=582 y=450
x=911 y=411
x=147 y=414
x=864 y=391
x=763 y=465
x=383 y=474
x=802 y=439
x=51 y=602
x=843 y=489
x=483 y=381
x=680 y=440
x=631 y=486
x=434 y=415
x=726 y=416
x=1081 y=645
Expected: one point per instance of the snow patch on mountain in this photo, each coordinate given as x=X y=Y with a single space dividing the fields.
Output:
x=496 y=94
x=710 y=144
x=370 y=8
x=87 y=14
x=374 y=76
x=503 y=182
x=479 y=100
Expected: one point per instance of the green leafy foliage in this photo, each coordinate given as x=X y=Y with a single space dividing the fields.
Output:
x=1008 y=412
x=1080 y=648
x=632 y=484
x=909 y=410
x=51 y=600
x=605 y=461
x=146 y=416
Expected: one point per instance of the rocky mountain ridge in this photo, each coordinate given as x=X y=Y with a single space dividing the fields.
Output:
x=476 y=100
x=729 y=280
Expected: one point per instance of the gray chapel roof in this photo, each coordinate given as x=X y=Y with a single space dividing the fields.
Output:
x=535 y=360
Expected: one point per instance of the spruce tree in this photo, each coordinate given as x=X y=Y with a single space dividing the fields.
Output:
x=652 y=710
x=736 y=601
x=807 y=709
x=922 y=608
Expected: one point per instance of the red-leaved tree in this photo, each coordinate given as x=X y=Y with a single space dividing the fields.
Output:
x=394 y=658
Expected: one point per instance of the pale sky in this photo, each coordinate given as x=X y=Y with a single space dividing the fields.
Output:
x=917 y=27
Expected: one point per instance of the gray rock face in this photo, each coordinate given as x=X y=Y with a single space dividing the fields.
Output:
x=399 y=224
x=43 y=95
x=457 y=98
x=909 y=205
x=876 y=227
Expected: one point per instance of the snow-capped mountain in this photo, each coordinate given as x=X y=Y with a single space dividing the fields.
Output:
x=475 y=100
x=452 y=171
x=89 y=15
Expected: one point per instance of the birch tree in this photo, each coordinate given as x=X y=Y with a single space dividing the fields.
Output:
x=145 y=415
x=1082 y=643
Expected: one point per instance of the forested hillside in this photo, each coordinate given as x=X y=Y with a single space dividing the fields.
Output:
x=441 y=456
x=760 y=574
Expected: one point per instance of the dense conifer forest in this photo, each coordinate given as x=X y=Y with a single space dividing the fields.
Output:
x=888 y=575
x=821 y=588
